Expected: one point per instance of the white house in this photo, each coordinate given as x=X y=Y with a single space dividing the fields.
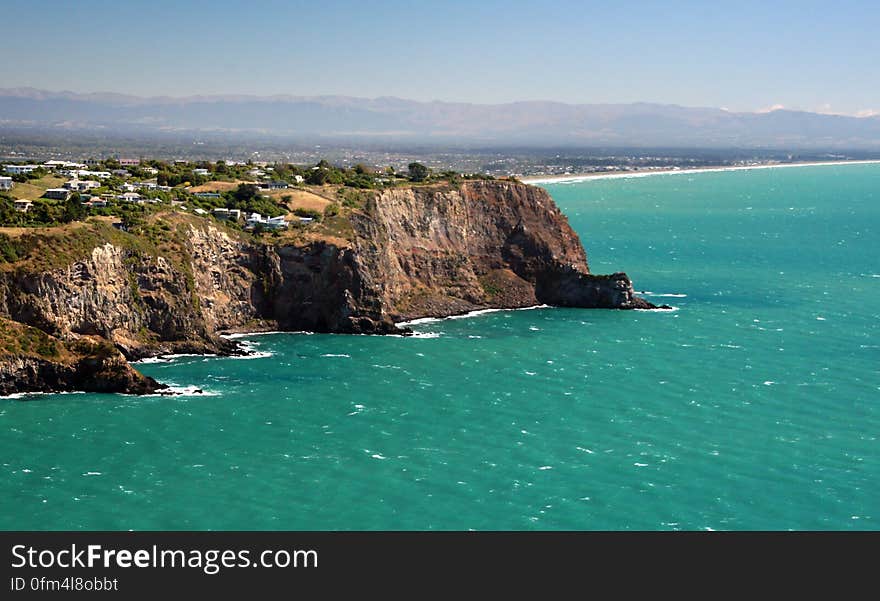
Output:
x=6 y=183
x=129 y=162
x=270 y=223
x=23 y=205
x=63 y=165
x=82 y=173
x=20 y=169
x=130 y=197
x=78 y=185
x=201 y=172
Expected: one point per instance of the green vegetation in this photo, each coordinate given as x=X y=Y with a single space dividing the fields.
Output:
x=23 y=340
x=10 y=250
x=418 y=172
x=311 y=213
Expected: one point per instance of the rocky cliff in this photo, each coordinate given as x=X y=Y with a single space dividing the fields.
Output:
x=179 y=281
x=440 y=251
x=33 y=361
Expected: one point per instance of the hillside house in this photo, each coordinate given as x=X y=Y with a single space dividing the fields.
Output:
x=57 y=193
x=274 y=185
x=85 y=174
x=269 y=223
x=20 y=169
x=223 y=213
x=23 y=206
x=6 y=183
x=78 y=185
x=63 y=165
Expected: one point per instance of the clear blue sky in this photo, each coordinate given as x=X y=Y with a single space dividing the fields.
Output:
x=741 y=55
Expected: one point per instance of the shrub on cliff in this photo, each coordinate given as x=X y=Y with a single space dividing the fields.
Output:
x=418 y=172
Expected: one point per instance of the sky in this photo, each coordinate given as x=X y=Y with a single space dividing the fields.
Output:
x=739 y=55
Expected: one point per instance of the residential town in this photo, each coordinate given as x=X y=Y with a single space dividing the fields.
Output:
x=254 y=196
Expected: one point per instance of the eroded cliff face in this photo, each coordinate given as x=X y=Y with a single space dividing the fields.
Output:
x=145 y=304
x=422 y=251
x=33 y=361
x=445 y=250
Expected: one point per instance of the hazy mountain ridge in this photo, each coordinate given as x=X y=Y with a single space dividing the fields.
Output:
x=529 y=122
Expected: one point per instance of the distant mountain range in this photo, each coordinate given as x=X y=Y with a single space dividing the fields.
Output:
x=393 y=119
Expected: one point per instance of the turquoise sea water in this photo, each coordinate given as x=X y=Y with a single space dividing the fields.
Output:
x=755 y=405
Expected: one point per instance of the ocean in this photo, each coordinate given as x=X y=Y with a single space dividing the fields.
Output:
x=754 y=404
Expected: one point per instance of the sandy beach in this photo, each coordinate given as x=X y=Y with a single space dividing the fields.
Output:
x=580 y=177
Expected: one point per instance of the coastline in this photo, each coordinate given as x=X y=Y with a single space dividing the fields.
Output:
x=582 y=177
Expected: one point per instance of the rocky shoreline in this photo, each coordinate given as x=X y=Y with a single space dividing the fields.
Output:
x=429 y=251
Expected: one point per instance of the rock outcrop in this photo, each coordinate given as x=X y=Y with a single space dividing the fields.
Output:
x=176 y=286
x=33 y=361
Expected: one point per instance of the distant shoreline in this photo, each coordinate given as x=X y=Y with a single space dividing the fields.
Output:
x=580 y=177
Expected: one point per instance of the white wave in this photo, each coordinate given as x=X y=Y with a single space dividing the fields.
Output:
x=659 y=310
x=251 y=334
x=425 y=335
x=172 y=357
x=146 y=360
x=668 y=295
x=422 y=320
x=175 y=390
x=586 y=177
x=418 y=321
x=25 y=395
x=252 y=355
x=336 y=355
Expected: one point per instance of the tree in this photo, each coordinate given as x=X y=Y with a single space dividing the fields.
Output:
x=73 y=209
x=318 y=177
x=418 y=172
x=246 y=192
